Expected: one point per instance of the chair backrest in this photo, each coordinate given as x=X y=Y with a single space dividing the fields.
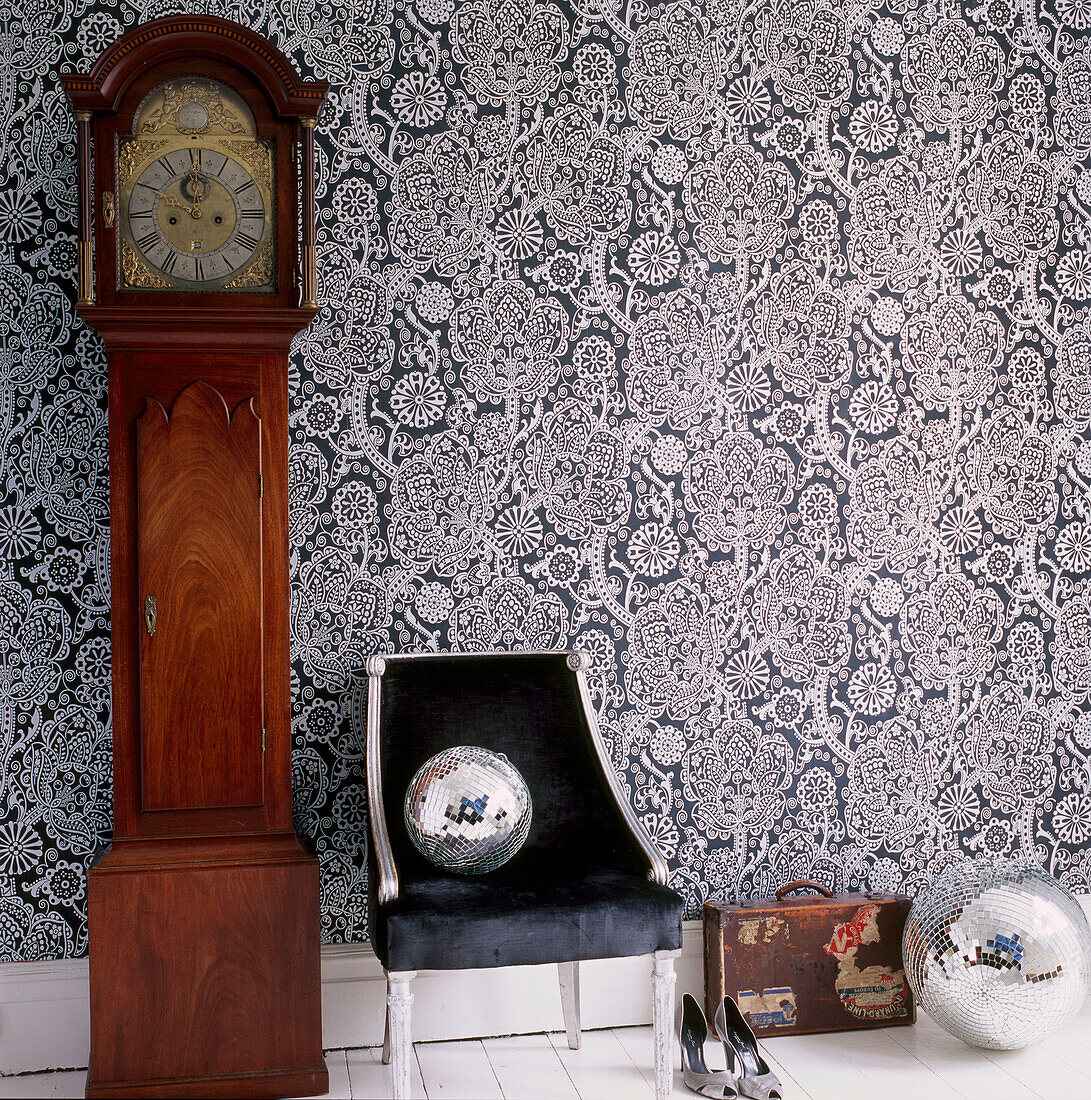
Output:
x=526 y=706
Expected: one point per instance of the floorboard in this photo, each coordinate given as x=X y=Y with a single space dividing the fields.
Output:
x=338 y=1066
x=1043 y=1072
x=639 y=1044
x=602 y=1069
x=368 y=1077
x=1071 y=1044
x=966 y=1070
x=889 y=1072
x=820 y=1069
x=901 y=1063
x=527 y=1066
x=458 y=1071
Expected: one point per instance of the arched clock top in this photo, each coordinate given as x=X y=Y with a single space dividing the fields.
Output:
x=194 y=106
x=183 y=36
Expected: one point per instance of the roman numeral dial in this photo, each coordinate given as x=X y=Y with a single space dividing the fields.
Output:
x=197 y=217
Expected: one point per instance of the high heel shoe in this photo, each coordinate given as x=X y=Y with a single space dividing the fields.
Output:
x=692 y=1032
x=756 y=1080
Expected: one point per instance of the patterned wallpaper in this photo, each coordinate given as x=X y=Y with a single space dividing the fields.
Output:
x=745 y=344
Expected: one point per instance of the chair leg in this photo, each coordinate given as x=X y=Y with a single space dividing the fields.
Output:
x=570 y=1001
x=398 y=1043
x=663 y=978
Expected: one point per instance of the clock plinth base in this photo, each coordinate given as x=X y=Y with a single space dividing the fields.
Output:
x=197 y=948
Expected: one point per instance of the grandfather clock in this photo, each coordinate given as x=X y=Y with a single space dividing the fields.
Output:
x=195 y=146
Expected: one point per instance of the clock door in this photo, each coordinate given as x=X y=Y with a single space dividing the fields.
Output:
x=200 y=554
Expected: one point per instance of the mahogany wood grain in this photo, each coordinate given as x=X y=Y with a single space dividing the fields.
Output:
x=216 y=329
x=199 y=534
x=273 y=369
x=207 y=46
x=214 y=851
x=217 y=965
x=204 y=914
x=136 y=378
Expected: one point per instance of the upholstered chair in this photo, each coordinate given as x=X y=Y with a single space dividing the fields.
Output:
x=587 y=884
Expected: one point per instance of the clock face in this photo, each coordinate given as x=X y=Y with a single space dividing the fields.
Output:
x=196 y=217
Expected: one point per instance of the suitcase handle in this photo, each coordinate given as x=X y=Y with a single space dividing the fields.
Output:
x=803 y=884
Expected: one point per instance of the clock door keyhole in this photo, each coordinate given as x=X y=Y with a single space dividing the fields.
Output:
x=151 y=614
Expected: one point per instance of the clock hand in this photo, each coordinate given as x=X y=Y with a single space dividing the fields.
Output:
x=195 y=185
x=170 y=200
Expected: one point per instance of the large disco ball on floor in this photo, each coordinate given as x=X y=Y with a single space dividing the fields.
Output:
x=997 y=952
x=468 y=810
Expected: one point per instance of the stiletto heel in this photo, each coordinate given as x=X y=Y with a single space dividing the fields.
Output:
x=756 y=1080
x=692 y=1032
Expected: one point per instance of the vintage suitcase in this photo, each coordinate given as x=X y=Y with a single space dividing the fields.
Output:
x=809 y=964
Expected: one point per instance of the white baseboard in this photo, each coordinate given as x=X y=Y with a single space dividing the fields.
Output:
x=44 y=1016
x=45 y=1022
x=44 y=1019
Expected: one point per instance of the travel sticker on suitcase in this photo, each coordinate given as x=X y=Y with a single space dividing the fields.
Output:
x=876 y=992
x=770 y=1008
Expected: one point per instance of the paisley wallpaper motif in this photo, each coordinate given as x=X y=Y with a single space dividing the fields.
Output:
x=745 y=344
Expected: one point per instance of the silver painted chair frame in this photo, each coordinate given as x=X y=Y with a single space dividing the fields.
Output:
x=397 y=1039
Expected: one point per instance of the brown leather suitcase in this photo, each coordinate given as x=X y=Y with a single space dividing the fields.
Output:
x=809 y=964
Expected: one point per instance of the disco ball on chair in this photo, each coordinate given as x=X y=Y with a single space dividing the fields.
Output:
x=997 y=952
x=467 y=810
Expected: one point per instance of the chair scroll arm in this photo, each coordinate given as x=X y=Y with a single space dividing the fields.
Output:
x=384 y=854
x=579 y=662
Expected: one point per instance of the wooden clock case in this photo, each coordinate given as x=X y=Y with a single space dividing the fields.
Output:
x=204 y=914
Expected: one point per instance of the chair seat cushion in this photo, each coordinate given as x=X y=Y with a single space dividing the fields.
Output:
x=460 y=923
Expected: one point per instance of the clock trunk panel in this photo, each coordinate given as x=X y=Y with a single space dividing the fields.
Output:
x=199 y=535
x=198 y=476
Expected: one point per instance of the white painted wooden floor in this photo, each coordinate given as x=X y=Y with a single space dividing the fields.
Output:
x=904 y=1063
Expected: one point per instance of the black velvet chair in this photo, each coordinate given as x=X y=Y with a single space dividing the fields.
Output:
x=587 y=884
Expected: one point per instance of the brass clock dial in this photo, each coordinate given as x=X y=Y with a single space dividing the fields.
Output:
x=196 y=217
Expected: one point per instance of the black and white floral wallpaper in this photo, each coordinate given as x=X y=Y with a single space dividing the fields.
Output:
x=745 y=344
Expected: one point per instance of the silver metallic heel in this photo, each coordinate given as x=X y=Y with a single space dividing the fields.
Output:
x=692 y=1032
x=757 y=1080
